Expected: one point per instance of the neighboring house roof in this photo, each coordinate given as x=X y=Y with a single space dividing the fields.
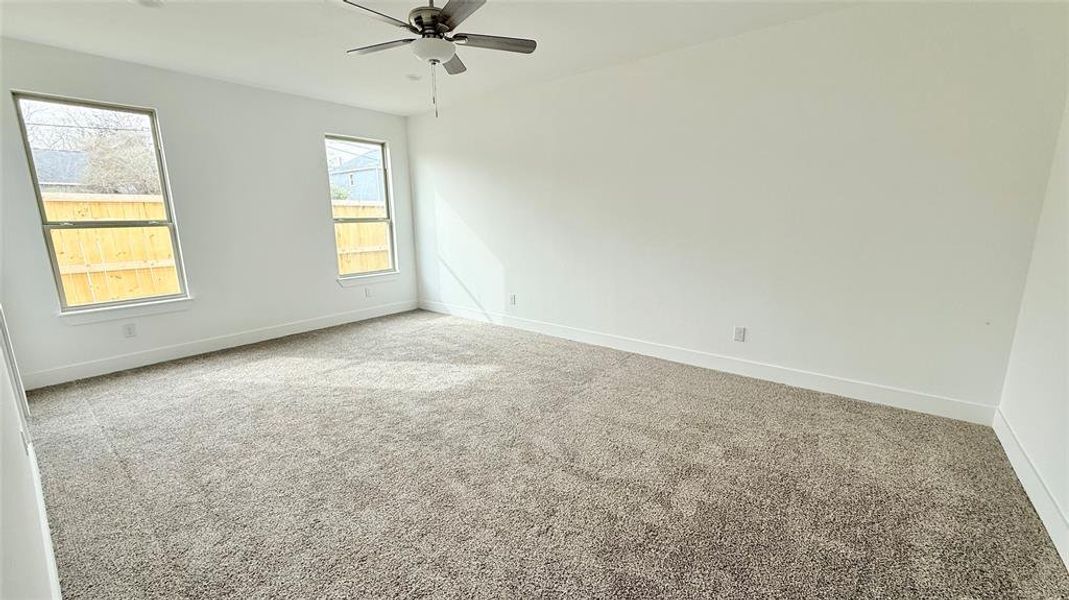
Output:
x=354 y=176
x=364 y=161
x=59 y=166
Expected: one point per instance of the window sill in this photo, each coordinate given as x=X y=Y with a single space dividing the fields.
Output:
x=131 y=311
x=362 y=280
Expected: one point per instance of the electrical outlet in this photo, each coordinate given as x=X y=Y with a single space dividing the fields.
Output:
x=512 y=299
x=369 y=292
x=740 y=334
x=129 y=330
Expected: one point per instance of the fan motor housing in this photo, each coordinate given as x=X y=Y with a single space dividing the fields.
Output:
x=428 y=19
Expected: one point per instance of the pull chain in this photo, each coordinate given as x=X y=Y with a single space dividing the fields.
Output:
x=434 y=87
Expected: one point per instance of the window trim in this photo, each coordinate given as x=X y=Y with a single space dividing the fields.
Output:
x=48 y=225
x=387 y=176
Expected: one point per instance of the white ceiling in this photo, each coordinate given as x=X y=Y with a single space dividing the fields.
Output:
x=299 y=46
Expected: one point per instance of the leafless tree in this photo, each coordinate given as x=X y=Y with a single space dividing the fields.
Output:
x=118 y=146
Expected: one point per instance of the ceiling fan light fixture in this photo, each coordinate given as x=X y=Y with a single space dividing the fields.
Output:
x=432 y=49
x=438 y=38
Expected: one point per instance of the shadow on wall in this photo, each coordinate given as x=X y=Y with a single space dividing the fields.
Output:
x=464 y=258
x=459 y=281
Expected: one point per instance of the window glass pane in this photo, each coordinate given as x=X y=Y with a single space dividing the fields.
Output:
x=357 y=179
x=93 y=164
x=362 y=247
x=110 y=264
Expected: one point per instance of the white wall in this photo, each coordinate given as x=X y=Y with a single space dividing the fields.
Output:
x=247 y=171
x=860 y=189
x=27 y=566
x=1033 y=419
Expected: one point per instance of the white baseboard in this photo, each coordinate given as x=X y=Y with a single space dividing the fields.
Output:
x=1054 y=517
x=850 y=388
x=132 y=360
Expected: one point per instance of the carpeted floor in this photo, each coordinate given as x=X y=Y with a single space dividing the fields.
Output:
x=422 y=455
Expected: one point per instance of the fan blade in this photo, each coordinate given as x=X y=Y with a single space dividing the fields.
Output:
x=379 y=47
x=384 y=18
x=493 y=42
x=456 y=11
x=455 y=66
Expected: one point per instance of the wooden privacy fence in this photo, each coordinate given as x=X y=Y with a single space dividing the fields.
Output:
x=362 y=247
x=108 y=264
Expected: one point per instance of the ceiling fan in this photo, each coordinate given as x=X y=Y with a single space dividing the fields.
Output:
x=437 y=39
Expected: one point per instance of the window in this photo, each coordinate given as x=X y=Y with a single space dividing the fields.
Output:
x=101 y=189
x=358 y=171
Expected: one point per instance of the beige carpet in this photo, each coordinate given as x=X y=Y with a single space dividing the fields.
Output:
x=422 y=455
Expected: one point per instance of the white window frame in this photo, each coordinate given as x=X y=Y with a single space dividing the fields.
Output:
x=387 y=187
x=47 y=225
